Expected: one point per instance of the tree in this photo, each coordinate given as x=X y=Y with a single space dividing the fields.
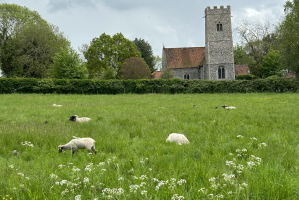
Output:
x=135 y=68
x=108 y=52
x=37 y=46
x=271 y=64
x=146 y=52
x=166 y=74
x=289 y=35
x=67 y=65
x=158 y=63
x=257 y=39
x=27 y=42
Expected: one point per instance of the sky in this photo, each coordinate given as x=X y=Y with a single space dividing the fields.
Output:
x=175 y=23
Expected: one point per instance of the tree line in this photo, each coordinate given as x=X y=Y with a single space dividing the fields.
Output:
x=30 y=47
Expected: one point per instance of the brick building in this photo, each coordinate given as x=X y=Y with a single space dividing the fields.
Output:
x=215 y=61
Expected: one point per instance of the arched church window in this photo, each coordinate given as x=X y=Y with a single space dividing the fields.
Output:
x=219 y=27
x=186 y=76
x=221 y=73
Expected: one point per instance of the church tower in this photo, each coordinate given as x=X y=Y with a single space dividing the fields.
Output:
x=219 y=63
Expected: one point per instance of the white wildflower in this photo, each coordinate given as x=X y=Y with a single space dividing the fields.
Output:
x=86 y=180
x=64 y=192
x=11 y=166
x=177 y=197
x=212 y=179
x=142 y=177
x=180 y=182
x=253 y=138
x=239 y=136
x=143 y=192
x=121 y=179
x=101 y=164
x=63 y=182
x=262 y=144
x=53 y=176
x=21 y=174
x=78 y=197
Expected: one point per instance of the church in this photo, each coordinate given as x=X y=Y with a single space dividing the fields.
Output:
x=215 y=61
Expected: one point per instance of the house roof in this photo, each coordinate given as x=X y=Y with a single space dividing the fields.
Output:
x=291 y=74
x=184 y=57
x=241 y=69
x=156 y=74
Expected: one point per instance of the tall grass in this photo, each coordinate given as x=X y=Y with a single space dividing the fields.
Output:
x=248 y=153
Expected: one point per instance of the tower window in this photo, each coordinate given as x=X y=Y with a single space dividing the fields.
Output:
x=219 y=27
x=221 y=73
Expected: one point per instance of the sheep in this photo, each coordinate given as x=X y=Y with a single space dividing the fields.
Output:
x=178 y=138
x=228 y=107
x=56 y=105
x=75 y=118
x=79 y=143
x=15 y=152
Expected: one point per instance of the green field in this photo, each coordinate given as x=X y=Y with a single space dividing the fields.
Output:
x=251 y=152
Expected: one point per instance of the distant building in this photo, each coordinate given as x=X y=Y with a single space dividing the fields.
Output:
x=290 y=74
x=215 y=61
x=156 y=74
x=241 y=69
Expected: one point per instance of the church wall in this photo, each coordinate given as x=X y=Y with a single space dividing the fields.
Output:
x=193 y=72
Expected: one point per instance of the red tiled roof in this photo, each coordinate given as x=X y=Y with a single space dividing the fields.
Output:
x=291 y=74
x=241 y=69
x=156 y=74
x=185 y=57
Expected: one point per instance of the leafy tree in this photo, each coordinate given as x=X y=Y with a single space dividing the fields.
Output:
x=257 y=39
x=158 y=63
x=27 y=42
x=135 y=68
x=67 y=65
x=37 y=46
x=108 y=52
x=146 y=52
x=289 y=35
x=271 y=64
x=167 y=74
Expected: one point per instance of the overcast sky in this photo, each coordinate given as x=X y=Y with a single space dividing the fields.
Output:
x=175 y=23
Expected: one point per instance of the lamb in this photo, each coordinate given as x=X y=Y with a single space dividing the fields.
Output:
x=228 y=107
x=178 y=138
x=75 y=118
x=56 y=105
x=79 y=143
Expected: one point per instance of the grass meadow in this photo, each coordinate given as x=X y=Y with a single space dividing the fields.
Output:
x=251 y=152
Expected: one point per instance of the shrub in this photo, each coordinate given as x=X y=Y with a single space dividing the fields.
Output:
x=246 y=77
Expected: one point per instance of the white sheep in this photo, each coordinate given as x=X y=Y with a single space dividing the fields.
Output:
x=228 y=107
x=178 y=138
x=79 y=143
x=75 y=118
x=56 y=105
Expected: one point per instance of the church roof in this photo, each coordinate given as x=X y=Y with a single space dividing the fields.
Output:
x=241 y=69
x=184 y=57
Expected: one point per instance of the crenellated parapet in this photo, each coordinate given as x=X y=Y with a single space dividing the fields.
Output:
x=216 y=10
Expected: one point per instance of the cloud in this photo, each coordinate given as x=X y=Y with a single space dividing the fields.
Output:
x=57 y=5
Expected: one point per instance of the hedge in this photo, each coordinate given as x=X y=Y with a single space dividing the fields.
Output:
x=171 y=86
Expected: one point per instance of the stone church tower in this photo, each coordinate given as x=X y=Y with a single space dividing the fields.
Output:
x=219 y=56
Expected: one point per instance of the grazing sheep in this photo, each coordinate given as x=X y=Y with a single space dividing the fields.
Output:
x=178 y=138
x=56 y=105
x=228 y=107
x=75 y=118
x=79 y=143
x=15 y=152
